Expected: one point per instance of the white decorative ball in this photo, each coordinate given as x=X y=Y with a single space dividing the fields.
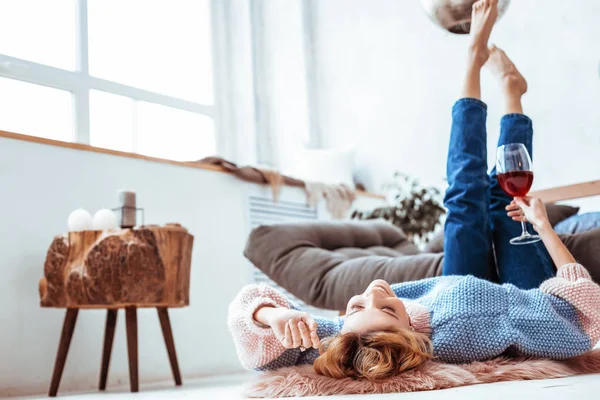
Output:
x=79 y=220
x=104 y=219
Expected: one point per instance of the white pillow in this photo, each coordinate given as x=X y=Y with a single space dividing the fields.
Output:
x=324 y=166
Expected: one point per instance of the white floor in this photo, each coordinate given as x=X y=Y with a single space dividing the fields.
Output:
x=580 y=388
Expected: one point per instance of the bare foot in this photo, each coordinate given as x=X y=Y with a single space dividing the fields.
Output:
x=483 y=18
x=510 y=78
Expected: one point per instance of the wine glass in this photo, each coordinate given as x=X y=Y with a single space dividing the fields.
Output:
x=515 y=175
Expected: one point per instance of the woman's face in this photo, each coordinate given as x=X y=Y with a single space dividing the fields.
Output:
x=377 y=309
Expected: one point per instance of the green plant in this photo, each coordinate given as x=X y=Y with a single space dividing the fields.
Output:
x=416 y=209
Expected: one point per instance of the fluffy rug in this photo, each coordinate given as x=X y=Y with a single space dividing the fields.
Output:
x=302 y=381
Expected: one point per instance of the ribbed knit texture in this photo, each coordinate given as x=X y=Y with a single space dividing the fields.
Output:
x=468 y=319
x=574 y=284
x=257 y=347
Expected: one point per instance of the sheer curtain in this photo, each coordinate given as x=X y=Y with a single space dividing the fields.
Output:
x=264 y=110
x=271 y=109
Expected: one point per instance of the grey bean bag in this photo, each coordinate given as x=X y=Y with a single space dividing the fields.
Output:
x=326 y=263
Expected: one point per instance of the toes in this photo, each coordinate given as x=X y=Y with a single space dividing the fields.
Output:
x=481 y=4
x=485 y=4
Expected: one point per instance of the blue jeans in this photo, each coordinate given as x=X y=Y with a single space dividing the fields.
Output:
x=477 y=230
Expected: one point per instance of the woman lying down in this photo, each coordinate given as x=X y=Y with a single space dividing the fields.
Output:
x=544 y=304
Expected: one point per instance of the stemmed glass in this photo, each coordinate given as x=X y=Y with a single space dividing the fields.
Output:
x=515 y=175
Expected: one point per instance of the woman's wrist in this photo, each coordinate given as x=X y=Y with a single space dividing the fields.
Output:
x=545 y=229
x=556 y=248
x=263 y=314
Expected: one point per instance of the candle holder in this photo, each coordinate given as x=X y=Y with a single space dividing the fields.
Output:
x=125 y=216
x=128 y=209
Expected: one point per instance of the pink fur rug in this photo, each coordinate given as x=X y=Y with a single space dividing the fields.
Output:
x=302 y=381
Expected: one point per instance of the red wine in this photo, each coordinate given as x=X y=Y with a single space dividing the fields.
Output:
x=516 y=183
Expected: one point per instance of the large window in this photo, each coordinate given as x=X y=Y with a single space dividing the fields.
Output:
x=130 y=75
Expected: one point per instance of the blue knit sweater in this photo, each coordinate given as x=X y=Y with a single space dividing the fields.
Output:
x=468 y=319
x=473 y=319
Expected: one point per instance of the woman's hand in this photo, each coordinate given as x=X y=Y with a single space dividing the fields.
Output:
x=292 y=328
x=529 y=209
x=534 y=211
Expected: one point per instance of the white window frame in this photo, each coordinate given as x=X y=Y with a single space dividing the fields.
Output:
x=266 y=153
x=241 y=132
x=79 y=82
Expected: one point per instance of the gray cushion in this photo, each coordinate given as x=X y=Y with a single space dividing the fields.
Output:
x=559 y=212
x=435 y=244
x=326 y=263
x=585 y=247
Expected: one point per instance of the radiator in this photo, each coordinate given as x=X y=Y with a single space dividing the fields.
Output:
x=264 y=211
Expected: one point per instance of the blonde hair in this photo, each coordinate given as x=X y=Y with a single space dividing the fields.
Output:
x=373 y=355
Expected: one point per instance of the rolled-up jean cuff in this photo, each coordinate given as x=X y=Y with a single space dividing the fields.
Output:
x=517 y=117
x=516 y=128
x=469 y=101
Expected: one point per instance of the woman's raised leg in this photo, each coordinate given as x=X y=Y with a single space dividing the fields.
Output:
x=467 y=235
x=525 y=266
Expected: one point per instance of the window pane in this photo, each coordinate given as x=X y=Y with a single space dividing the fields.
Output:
x=36 y=110
x=111 y=121
x=40 y=31
x=167 y=132
x=161 y=46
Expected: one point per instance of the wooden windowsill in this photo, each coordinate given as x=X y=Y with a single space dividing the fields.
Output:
x=569 y=192
x=85 y=147
x=561 y=193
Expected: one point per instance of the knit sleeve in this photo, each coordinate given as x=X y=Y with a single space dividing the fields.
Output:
x=574 y=284
x=256 y=345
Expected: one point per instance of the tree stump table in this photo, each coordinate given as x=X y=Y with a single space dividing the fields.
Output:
x=127 y=268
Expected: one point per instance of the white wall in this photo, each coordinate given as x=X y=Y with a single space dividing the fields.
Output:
x=389 y=78
x=39 y=186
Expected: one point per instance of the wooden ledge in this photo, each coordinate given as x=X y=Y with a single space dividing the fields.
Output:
x=561 y=193
x=569 y=192
x=85 y=147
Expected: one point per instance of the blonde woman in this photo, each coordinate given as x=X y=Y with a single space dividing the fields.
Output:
x=463 y=316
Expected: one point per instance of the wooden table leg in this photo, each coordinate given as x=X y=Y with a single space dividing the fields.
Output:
x=63 y=349
x=109 y=334
x=132 y=346
x=165 y=324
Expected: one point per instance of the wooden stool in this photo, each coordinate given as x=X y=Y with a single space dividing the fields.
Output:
x=129 y=269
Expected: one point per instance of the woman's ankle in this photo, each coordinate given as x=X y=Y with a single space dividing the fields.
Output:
x=477 y=57
x=513 y=106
